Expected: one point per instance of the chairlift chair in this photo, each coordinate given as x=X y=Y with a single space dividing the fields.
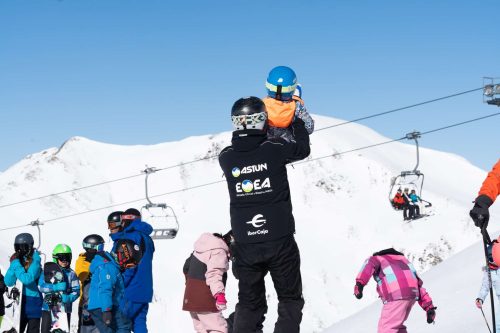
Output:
x=413 y=179
x=161 y=216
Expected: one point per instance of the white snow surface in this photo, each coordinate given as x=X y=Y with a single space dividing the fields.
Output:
x=340 y=206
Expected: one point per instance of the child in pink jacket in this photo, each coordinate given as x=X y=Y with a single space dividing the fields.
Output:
x=399 y=287
x=206 y=273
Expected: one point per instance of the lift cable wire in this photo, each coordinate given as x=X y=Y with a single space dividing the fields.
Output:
x=213 y=157
x=222 y=181
x=399 y=109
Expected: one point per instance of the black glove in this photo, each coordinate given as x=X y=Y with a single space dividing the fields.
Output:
x=14 y=293
x=89 y=256
x=107 y=317
x=480 y=213
x=431 y=315
x=358 y=290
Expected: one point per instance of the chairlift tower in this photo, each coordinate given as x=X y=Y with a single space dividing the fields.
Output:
x=491 y=90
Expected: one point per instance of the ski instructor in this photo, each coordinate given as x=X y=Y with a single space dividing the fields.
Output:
x=487 y=195
x=261 y=216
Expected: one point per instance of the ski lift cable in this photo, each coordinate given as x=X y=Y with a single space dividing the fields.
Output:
x=222 y=181
x=212 y=157
x=460 y=123
x=348 y=151
x=133 y=201
x=15 y=227
x=400 y=109
x=69 y=191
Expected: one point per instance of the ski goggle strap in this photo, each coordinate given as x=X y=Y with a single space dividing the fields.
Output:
x=96 y=247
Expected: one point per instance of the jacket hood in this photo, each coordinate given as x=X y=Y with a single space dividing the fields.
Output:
x=208 y=242
x=247 y=140
x=100 y=260
x=140 y=226
x=388 y=252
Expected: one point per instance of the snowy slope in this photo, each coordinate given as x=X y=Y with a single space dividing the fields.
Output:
x=340 y=205
x=454 y=286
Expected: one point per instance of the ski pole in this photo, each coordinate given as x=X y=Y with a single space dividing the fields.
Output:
x=486 y=242
x=485 y=320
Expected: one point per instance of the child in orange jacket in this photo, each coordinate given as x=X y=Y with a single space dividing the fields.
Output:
x=284 y=103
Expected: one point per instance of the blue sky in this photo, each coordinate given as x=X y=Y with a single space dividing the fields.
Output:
x=143 y=72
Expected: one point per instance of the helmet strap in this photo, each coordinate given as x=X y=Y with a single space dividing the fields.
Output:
x=278 y=91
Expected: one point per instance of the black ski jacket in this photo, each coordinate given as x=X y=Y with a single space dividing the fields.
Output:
x=255 y=170
x=3 y=289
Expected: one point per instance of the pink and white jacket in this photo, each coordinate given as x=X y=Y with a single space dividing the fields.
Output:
x=213 y=252
x=205 y=272
x=396 y=278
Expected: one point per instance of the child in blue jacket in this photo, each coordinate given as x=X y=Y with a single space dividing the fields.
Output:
x=25 y=267
x=106 y=291
x=138 y=280
x=70 y=288
x=415 y=200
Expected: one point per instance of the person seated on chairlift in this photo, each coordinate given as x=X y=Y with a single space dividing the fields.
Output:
x=415 y=200
x=408 y=210
x=398 y=201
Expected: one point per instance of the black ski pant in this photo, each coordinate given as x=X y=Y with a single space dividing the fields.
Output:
x=280 y=258
x=416 y=210
x=407 y=208
x=230 y=323
x=85 y=321
x=32 y=325
x=47 y=321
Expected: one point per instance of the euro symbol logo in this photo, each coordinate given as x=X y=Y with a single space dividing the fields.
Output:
x=257 y=221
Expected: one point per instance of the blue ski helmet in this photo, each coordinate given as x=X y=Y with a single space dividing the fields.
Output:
x=281 y=83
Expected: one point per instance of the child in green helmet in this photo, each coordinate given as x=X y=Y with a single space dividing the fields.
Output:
x=70 y=288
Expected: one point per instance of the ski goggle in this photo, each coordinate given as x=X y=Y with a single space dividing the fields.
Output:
x=252 y=121
x=63 y=257
x=114 y=224
x=95 y=247
x=129 y=217
x=23 y=248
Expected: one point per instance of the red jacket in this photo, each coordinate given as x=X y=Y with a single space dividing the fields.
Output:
x=398 y=198
x=491 y=185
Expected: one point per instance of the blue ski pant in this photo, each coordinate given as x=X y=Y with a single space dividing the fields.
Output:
x=119 y=324
x=138 y=312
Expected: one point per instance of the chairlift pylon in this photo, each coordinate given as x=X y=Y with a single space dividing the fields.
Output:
x=160 y=215
x=412 y=179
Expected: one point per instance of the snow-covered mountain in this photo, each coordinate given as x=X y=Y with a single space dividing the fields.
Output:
x=340 y=205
